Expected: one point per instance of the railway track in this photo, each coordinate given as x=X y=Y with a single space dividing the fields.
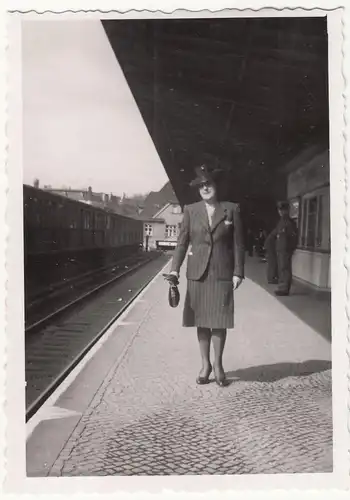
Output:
x=59 y=341
x=36 y=294
x=61 y=296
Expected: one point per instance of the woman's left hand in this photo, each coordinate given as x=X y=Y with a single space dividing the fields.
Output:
x=236 y=282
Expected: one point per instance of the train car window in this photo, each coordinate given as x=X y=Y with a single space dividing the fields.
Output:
x=81 y=219
x=49 y=214
x=99 y=221
x=73 y=223
x=88 y=220
x=43 y=210
x=85 y=220
x=54 y=213
x=38 y=213
x=60 y=214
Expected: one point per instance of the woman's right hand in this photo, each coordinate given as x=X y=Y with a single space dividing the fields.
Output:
x=171 y=278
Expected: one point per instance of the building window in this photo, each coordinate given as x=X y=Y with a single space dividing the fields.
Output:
x=302 y=234
x=294 y=211
x=311 y=222
x=170 y=231
x=148 y=229
x=320 y=221
x=315 y=230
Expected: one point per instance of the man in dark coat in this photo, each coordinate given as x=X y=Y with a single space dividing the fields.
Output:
x=284 y=239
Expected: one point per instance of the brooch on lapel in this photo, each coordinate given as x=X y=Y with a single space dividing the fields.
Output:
x=227 y=221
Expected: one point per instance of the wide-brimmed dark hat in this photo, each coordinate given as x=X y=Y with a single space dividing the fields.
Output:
x=205 y=174
x=283 y=205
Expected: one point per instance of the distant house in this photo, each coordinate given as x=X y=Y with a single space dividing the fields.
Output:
x=162 y=230
x=162 y=215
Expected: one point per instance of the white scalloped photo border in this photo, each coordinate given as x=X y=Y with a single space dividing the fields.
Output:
x=12 y=426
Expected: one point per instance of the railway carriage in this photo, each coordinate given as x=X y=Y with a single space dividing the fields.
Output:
x=54 y=225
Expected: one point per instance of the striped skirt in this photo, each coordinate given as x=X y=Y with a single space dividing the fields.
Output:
x=209 y=303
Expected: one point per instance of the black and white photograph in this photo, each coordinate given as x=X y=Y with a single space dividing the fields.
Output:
x=179 y=244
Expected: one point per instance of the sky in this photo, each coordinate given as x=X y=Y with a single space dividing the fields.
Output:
x=81 y=125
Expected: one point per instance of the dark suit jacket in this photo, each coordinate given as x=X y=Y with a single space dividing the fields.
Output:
x=221 y=244
x=284 y=237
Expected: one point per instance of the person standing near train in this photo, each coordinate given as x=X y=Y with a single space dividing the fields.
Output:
x=215 y=268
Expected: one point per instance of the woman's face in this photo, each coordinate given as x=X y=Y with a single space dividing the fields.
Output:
x=207 y=190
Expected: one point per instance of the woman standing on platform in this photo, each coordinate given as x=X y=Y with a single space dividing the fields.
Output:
x=215 y=268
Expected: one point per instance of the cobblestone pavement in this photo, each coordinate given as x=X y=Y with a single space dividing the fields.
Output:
x=150 y=418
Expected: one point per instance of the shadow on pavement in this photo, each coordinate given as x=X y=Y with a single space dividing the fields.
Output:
x=278 y=371
x=312 y=307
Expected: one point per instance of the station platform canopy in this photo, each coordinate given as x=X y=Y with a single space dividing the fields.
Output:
x=244 y=94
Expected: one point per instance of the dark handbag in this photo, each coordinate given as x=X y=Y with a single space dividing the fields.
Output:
x=173 y=294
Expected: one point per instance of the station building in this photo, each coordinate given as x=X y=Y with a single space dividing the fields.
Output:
x=308 y=188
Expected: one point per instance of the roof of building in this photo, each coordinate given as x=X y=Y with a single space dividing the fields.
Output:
x=151 y=219
x=310 y=153
x=155 y=201
x=162 y=210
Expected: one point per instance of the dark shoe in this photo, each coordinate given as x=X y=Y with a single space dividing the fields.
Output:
x=273 y=282
x=204 y=380
x=281 y=293
x=221 y=380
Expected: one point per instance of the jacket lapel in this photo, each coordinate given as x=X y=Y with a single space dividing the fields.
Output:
x=203 y=216
x=219 y=216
